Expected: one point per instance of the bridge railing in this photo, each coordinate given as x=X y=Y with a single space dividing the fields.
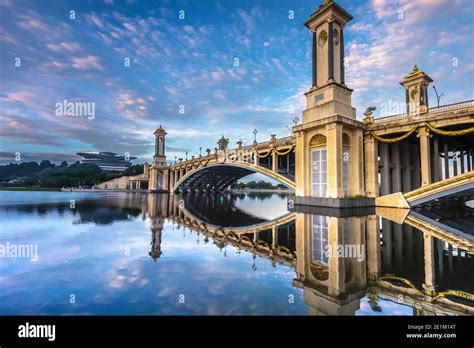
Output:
x=442 y=108
x=461 y=105
x=390 y=118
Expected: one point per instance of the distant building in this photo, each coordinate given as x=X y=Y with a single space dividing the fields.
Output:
x=106 y=161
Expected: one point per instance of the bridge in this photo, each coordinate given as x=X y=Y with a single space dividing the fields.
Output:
x=332 y=158
x=216 y=172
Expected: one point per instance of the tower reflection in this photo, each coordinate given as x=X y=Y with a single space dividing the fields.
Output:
x=339 y=260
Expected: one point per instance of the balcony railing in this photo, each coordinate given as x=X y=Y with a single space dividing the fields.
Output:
x=442 y=108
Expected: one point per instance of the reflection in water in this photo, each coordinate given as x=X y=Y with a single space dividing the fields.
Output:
x=342 y=265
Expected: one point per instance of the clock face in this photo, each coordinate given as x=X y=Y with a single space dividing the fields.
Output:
x=322 y=38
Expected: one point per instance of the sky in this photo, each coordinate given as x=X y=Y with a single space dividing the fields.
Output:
x=182 y=71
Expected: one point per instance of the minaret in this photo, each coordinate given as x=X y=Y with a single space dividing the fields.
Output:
x=158 y=172
x=416 y=91
x=329 y=142
x=160 y=158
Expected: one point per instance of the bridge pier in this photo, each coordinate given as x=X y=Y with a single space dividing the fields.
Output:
x=425 y=153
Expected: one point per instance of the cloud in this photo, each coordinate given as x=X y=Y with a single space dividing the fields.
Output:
x=64 y=46
x=87 y=62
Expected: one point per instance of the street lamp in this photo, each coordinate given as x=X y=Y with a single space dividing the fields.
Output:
x=438 y=96
x=255 y=135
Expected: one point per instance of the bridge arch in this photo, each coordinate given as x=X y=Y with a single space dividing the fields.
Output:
x=216 y=177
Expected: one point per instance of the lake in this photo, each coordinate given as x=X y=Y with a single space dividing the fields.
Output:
x=96 y=253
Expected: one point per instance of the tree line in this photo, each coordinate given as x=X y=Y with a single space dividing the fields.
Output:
x=49 y=175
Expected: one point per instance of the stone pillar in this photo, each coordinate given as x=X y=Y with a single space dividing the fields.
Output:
x=406 y=162
x=302 y=166
x=341 y=58
x=165 y=179
x=446 y=159
x=336 y=264
x=274 y=236
x=455 y=162
x=428 y=247
x=436 y=163
x=416 y=183
x=397 y=170
x=315 y=67
x=334 y=161
x=425 y=162
x=152 y=181
x=384 y=170
x=469 y=157
x=374 y=265
x=462 y=162
x=255 y=156
x=171 y=178
x=371 y=167
x=355 y=171
x=274 y=162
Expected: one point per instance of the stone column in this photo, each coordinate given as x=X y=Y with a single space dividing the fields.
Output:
x=406 y=182
x=446 y=159
x=341 y=50
x=336 y=264
x=455 y=162
x=355 y=170
x=469 y=157
x=371 y=167
x=384 y=170
x=315 y=66
x=171 y=178
x=166 y=179
x=274 y=236
x=334 y=161
x=302 y=166
x=397 y=170
x=425 y=162
x=274 y=162
x=436 y=163
x=428 y=246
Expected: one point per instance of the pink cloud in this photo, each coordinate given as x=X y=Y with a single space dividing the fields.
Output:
x=64 y=46
x=87 y=62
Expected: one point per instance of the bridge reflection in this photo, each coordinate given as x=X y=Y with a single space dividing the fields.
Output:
x=338 y=260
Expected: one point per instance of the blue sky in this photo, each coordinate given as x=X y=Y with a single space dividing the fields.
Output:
x=190 y=63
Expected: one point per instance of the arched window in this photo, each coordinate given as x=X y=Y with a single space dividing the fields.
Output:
x=318 y=165
x=318 y=140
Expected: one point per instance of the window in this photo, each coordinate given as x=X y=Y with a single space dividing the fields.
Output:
x=319 y=172
x=320 y=239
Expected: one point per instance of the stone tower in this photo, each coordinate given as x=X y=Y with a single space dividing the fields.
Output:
x=329 y=142
x=416 y=88
x=158 y=172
